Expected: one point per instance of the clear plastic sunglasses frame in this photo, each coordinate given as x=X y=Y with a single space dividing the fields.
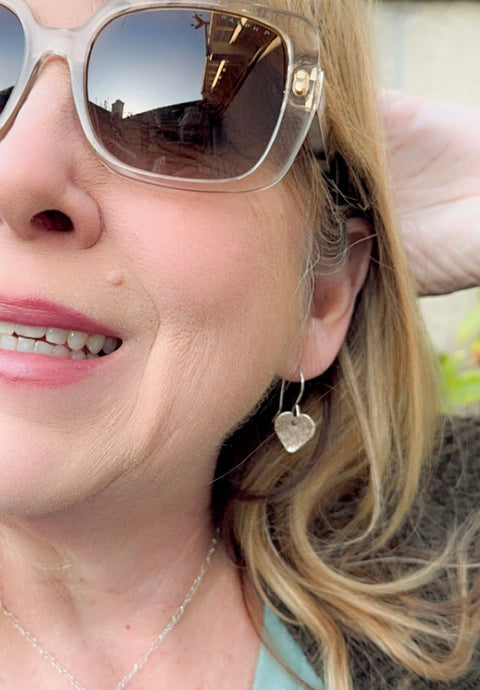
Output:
x=302 y=95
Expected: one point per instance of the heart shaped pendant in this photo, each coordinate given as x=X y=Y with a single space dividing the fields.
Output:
x=294 y=430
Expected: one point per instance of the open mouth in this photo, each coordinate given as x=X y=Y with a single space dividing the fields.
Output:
x=56 y=342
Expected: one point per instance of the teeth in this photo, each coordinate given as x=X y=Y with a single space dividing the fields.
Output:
x=30 y=331
x=43 y=348
x=56 y=336
x=77 y=341
x=110 y=346
x=25 y=345
x=6 y=328
x=8 y=342
x=61 y=352
x=95 y=343
x=55 y=342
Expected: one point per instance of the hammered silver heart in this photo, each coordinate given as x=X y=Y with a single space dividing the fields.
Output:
x=294 y=431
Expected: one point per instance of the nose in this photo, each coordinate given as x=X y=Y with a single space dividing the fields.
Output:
x=47 y=168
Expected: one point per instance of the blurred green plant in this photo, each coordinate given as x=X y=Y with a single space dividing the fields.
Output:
x=461 y=369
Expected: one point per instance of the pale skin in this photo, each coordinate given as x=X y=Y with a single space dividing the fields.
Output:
x=435 y=163
x=106 y=482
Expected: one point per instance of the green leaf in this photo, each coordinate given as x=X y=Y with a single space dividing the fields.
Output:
x=462 y=387
x=470 y=325
x=450 y=364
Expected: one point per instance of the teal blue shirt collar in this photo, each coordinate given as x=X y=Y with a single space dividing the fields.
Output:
x=270 y=675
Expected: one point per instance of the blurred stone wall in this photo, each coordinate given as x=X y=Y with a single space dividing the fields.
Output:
x=432 y=49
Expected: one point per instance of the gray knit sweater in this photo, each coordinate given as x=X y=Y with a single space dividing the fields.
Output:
x=449 y=496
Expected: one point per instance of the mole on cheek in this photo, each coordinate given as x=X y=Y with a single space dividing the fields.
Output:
x=115 y=278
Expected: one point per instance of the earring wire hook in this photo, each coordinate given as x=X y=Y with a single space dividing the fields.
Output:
x=296 y=405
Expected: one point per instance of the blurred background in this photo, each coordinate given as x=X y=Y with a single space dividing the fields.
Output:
x=432 y=49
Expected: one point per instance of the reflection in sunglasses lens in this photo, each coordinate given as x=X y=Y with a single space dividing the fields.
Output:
x=12 y=50
x=186 y=93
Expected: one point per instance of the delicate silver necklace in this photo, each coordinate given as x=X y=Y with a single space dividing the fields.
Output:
x=143 y=660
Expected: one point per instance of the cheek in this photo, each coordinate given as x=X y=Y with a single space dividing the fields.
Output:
x=220 y=277
x=213 y=259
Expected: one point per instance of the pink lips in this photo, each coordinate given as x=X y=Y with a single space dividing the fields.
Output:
x=36 y=312
x=39 y=369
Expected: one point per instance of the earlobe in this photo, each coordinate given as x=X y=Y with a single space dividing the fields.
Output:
x=332 y=306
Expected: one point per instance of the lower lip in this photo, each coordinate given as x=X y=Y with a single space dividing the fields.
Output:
x=41 y=370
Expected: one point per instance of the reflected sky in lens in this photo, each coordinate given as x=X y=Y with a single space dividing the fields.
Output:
x=148 y=60
x=12 y=48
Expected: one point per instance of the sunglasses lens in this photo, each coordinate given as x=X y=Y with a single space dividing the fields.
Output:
x=12 y=51
x=186 y=93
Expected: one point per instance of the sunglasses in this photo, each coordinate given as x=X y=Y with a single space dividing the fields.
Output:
x=209 y=96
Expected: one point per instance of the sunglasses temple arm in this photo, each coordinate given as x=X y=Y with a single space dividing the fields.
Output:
x=333 y=166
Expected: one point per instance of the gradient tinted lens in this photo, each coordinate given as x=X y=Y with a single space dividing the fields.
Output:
x=186 y=93
x=12 y=52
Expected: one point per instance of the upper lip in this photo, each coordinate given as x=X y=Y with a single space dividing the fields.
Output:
x=40 y=312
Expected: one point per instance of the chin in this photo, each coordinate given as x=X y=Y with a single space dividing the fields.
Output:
x=40 y=473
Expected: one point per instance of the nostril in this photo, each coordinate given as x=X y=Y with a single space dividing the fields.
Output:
x=52 y=220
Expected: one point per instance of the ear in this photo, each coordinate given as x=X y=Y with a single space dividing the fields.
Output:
x=332 y=307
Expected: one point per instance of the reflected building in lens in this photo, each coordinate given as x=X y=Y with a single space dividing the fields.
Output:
x=155 y=139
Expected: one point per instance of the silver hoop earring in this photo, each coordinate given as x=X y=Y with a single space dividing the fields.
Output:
x=294 y=429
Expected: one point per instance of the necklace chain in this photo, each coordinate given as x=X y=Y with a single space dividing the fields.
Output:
x=15 y=623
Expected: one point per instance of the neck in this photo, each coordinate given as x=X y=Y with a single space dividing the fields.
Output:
x=98 y=582
x=127 y=552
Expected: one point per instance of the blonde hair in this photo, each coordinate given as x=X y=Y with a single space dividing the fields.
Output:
x=314 y=532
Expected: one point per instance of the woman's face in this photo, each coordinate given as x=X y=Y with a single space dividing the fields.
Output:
x=201 y=289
